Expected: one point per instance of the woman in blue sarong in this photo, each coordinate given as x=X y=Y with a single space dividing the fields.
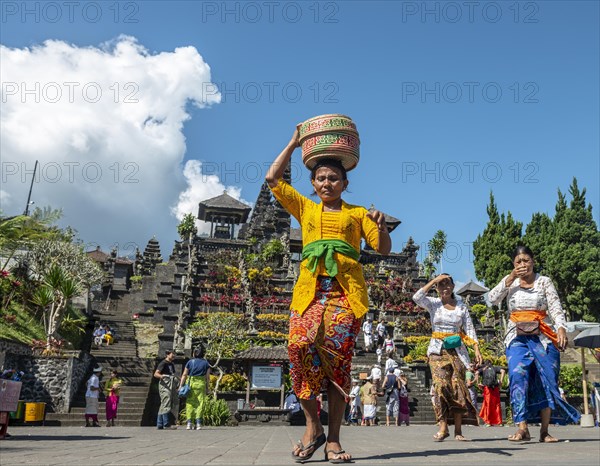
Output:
x=532 y=347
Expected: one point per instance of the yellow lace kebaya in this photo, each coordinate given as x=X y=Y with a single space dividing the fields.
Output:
x=351 y=224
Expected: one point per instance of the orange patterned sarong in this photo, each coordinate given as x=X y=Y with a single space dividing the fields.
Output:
x=321 y=341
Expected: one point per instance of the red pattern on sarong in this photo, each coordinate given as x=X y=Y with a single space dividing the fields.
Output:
x=321 y=341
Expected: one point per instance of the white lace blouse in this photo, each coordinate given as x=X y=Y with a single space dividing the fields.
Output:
x=446 y=321
x=542 y=296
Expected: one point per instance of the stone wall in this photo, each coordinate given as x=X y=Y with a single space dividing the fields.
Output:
x=8 y=346
x=52 y=380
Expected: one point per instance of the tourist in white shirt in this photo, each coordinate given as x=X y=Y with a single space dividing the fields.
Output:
x=376 y=376
x=390 y=363
x=367 y=328
x=380 y=331
x=91 y=399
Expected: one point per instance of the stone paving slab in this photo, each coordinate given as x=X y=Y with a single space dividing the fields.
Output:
x=271 y=445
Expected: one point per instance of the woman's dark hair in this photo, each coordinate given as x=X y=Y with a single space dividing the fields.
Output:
x=199 y=351
x=331 y=163
x=451 y=281
x=522 y=249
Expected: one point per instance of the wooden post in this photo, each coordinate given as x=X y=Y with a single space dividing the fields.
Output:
x=585 y=392
x=248 y=386
x=282 y=396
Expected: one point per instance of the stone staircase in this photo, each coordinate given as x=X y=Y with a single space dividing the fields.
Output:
x=421 y=410
x=122 y=356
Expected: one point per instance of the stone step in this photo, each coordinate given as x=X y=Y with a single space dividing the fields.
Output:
x=124 y=348
x=119 y=343
x=127 y=352
x=125 y=412
x=136 y=410
x=127 y=404
x=79 y=420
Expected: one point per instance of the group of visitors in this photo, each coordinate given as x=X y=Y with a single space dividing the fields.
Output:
x=330 y=301
x=195 y=376
x=378 y=339
x=111 y=390
x=103 y=333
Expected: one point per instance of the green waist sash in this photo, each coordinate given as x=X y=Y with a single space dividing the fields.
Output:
x=326 y=247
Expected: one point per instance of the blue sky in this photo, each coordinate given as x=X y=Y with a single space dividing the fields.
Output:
x=450 y=105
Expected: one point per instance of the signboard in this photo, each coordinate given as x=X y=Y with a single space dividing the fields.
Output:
x=9 y=395
x=266 y=377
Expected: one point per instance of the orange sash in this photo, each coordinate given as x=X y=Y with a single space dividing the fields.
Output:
x=530 y=316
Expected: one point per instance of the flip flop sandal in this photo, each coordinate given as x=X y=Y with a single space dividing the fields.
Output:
x=547 y=438
x=337 y=460
x=315 y=445
x=461 y=438
x=520 y=436
x=440 y=436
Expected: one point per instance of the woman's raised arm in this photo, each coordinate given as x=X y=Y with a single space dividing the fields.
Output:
x=277 y=168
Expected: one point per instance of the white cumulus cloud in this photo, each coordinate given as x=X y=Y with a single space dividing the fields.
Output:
x=4 y=199
x=200 y=187
x=106 y=125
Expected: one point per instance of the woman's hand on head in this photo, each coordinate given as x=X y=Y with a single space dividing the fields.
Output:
x=440 y=278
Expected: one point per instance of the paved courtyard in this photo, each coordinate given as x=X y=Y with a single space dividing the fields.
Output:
x=272 y=445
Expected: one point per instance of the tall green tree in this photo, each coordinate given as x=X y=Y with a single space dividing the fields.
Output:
x=493 y=247
x=572 y=258
x=567 y=249
x=539 y=234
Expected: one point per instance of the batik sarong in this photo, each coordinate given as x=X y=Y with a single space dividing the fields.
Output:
x=321 y=341
x=452 y=395
x=533 y=374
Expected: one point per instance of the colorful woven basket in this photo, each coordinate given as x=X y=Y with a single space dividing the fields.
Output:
x=330 y=136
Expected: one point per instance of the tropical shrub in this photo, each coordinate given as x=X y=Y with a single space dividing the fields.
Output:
x=570 y=379
x=213 y=412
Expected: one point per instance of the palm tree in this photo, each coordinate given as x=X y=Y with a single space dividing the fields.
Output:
x=22 y=231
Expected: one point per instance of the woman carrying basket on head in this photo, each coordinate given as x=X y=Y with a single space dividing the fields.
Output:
x=330 y=296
